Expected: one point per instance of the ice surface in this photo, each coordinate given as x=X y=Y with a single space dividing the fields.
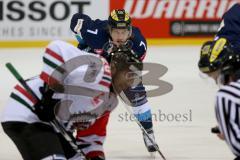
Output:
x=178 y=140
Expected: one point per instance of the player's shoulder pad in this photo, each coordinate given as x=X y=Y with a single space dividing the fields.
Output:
x=231 y=17
x=230 y=21
x=139 y=42
x=80 y=23
x=77 y=22
x=230 y=26
x=234 y=9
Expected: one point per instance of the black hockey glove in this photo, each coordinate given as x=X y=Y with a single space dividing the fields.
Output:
x=44 y=109
x=215 y=130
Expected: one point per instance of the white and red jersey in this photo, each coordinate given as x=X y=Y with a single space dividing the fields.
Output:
x=86 y=79
x=79 y=72
x=17 y=108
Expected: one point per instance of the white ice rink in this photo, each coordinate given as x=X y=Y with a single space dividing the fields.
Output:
x=178 y=140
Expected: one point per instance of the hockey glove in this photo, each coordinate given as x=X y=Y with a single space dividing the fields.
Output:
x=215 y=130
x=44 y=109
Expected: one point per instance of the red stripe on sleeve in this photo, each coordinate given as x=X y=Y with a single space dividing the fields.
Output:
x=104 y=83
x=54 y=54
x=48 y=79
x=26 y=94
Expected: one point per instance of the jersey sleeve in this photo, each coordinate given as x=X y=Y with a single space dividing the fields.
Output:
x=65 y=64
x=230 y=27
x=80 y=23
x=139 y=43
x=91 y=32
x=52 y=60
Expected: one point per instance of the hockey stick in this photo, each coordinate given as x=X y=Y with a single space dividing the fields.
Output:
x=142 y=128
x=54 y=122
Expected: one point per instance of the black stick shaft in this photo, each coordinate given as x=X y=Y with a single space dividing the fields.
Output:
x=142 y=128
x=21 y=80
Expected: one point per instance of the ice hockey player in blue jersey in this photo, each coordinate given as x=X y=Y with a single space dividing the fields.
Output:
x=99 y=36
x=96 y=34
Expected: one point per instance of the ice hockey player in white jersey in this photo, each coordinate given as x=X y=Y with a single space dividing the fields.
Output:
x=76 y=88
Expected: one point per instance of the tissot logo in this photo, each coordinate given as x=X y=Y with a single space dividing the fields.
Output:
x=18 y=10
